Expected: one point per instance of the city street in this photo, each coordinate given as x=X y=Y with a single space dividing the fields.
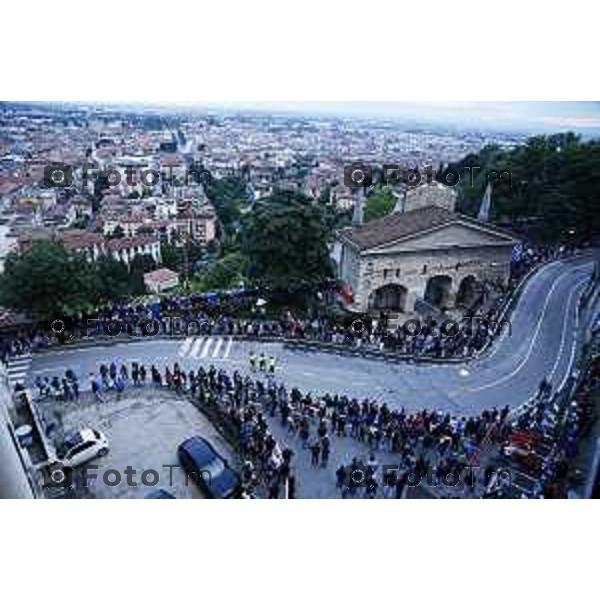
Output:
x=542 y=343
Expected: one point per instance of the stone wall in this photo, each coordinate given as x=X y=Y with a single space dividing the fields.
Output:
x=430 y=195
x=413 y=270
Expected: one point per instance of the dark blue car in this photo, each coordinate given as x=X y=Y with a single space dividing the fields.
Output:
x=206 y=467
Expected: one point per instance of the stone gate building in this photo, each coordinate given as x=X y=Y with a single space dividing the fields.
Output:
x=430 y=254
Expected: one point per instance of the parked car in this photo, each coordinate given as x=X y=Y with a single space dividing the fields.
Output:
x=206 y=467
x=82 y=446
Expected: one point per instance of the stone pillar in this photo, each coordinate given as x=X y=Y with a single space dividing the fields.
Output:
x=409 y=303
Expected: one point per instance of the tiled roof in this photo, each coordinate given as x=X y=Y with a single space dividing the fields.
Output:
x=130 y=242
x=400 y=225
x=160 y=276
x=74 y=239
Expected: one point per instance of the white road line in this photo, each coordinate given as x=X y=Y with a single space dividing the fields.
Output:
x=196 y=348
x=567 y=372
x=498 y=343
x=17 y=374
x=206 y=348
x=533 y=339
x=564 y=331
x=185 y=346
x=228 y=349
x=573 y=350
x=218 y=347
x=18 y=360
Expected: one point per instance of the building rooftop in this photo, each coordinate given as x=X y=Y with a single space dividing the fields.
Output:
x=399 y=225
x=130 y=242
x=160 y=276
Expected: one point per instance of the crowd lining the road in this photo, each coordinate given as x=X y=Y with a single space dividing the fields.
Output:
x=196 y=315
x=538 y=444
x=535 y=445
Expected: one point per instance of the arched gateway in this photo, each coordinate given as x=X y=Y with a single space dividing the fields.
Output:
x=389 y=297
x=438 y=291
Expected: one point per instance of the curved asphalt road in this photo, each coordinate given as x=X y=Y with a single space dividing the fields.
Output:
x=543 y=342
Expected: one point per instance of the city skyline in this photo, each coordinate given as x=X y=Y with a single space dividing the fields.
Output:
x=583 y=117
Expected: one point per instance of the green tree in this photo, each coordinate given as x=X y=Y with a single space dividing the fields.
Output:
x=47 y=281
x=228 y=197
x=112 y=280
x=285 y=241
x=224 y=274
x=379 y=203
x=142 y=263
x=551 y=192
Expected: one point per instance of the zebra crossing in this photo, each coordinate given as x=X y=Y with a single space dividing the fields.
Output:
x=17 y=369
x=210 y=347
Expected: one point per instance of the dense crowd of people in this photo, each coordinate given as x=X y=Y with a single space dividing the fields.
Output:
x=546 y=436
x=535 y=445
x=421 y=441
x=239 y=314
x=538 y=443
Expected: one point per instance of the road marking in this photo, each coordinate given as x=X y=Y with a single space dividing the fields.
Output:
x=217 y=348
x=533 y=339
x=185 y=346
x=564 y=331
x=206 y=348
x=196 y=348
x=504 y=333
x=505 y=330
x=523 y=405
x=228 y=349
x=17 y=368
x=573 y=350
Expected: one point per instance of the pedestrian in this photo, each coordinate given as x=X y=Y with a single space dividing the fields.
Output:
x=304 y=432
x=104 y=374
x=325 y=451
x=120 y=386
x=399 y=488
x=274 y=489
x=95 y=387
x=340 y=475
x=112 y=371
x=371 y=488
x=315 y=449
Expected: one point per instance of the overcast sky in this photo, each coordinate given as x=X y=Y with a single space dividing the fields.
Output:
x=534 y=116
